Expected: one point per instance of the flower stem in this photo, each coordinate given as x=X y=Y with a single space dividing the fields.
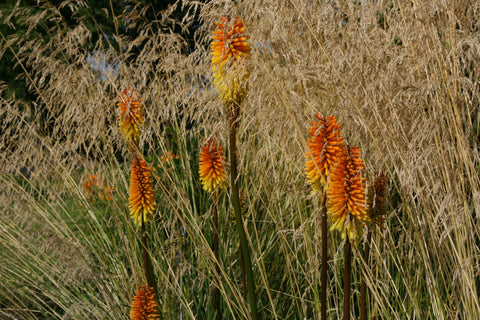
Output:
x=233 y=111
x=146 y=257
x=346 y=280
x=147 y=266
x=216 y=288
x=363 y=286
x=323 y=275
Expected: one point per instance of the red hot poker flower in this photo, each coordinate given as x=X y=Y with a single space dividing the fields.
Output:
x=346 y=195
x=325 y=146
x=142 y=198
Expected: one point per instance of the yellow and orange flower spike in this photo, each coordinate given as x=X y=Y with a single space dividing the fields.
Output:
x=144 y=306
x=346 y=195
x=142 y=198
x=131 y=114
x=229 y=51
x=376 y=199
x=212 y=166
x=325 y=146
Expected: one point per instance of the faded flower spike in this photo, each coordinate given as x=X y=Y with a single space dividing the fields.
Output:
x=377 y=198
x=325 y=146
x=131 y=113
x=229 y=50
x=141 y=199
x=212 y=165
x=144 y=306
x=346 y=195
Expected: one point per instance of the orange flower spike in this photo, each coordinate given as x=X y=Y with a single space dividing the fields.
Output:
x=325 y=146
x=131 y=113
x=346 y=195
x=212 y=166
x=141 y=198
x=229 y=46
x=144 y=306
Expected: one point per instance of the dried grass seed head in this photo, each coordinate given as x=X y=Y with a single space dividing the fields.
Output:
x=376 y=200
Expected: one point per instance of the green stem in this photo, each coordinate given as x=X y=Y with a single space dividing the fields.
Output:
x=147 y=267
x=233 y=117
x=363 y=286
x=323 y=275
x=216 y=289
x=346 y=280
x=244 y=281
x=146 y=257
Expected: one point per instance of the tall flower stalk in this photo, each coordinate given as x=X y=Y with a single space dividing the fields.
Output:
x=347 y=207
x=325 y=146
x=141 y=199
x=213 y=174
x=230 y=52
x=376 y=210
x=142 y=206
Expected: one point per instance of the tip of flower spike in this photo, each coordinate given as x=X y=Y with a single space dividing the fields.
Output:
x=144 y=305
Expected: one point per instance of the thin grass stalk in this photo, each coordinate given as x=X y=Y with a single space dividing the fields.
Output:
x=216 y=290
x=346 y=280
x=323 y=275
x=233 y=115
x=363 y=285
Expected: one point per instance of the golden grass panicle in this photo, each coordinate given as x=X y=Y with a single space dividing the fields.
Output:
x=325 y=146
x=144 y=306
x=212 y=166
x=131 y=114
x=141 y=198
x=346 y=195
x=229 y=51
x=376 y=200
